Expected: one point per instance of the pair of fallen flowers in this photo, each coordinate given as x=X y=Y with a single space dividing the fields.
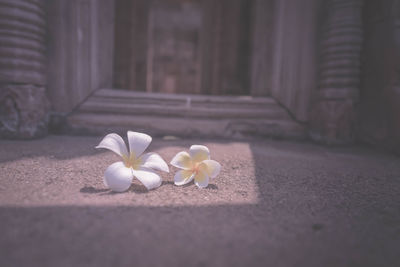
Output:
x=195 y=165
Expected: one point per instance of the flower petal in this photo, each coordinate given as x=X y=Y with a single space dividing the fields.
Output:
x=210 y=167
x=183 y=177
x=117 y=177
x=154 y=161
x=182 y=160
x=138 y=142
x=115 y=143
x=148 y=178
x=201 y=179
x=199 y=153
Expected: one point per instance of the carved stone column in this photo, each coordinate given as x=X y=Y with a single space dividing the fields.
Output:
x=23 y=102
x=334 y=113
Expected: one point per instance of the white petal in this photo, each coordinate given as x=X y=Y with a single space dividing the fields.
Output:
x=201 y=179
x=148 y=178
x=183 y=177
x=154 y=161
x=182 y=160
x=138 y=142
x=210 y=167
x=199 y=153
x=115 y=143
x=118 y=177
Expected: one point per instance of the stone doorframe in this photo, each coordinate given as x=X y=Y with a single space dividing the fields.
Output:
x=81 y=52
x=79 y=55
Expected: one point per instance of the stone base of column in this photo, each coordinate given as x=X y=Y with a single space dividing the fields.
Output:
x=333 y=122
x=23 y=111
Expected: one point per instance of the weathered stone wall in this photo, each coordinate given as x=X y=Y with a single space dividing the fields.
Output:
x=226 y=47
x=130 y=44
x=262 y=47
x=295 y=54
x=333 y=118
x=23 y=101
x=80 y=50
x=379 y=117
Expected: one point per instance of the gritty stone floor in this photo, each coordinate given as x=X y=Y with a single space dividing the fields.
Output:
x=275 y=203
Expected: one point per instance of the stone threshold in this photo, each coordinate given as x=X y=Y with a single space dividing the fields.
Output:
x=181 y=115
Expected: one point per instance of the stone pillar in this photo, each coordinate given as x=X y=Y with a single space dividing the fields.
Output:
x=334 y=112
x=23 y=102
x=262 y=19
x=80 y=50
x=294 y=66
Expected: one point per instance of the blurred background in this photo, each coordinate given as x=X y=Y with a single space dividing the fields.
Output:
x=325 y=70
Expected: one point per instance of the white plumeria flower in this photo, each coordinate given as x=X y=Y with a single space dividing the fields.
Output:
x=195 y=165
x=118 y=176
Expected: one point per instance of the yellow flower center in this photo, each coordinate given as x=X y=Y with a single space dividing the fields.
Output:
x=132 y=161
x=196 y=167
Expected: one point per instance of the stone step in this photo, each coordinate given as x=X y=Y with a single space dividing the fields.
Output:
x=116 y=107
x=183 y=115
x=124 y=96
x=89 y=123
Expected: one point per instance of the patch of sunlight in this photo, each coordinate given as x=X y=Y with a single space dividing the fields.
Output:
x=50 y=180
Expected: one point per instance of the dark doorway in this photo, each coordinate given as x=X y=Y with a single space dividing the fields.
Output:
x=182 y=46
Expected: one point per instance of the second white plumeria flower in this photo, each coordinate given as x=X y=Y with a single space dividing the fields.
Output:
x=118 y=176
x=195 y=165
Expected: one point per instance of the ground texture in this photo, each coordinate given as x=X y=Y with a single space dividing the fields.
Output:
x=275 y=203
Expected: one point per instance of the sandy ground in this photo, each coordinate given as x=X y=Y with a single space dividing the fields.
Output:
x=275 y=203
